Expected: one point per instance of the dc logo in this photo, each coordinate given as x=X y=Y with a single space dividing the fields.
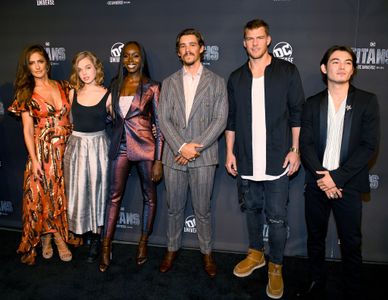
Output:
x=190 y=225
x=115 y=50
x=190 y=221
x=282 y=50
x=374 y=181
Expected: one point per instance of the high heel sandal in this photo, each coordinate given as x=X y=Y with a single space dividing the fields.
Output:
x=47 y=248
x=29 y=257
x=106 y=255
x=63 y=250
x=141 y=256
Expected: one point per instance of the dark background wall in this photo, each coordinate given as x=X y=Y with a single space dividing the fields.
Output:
x=301 y=32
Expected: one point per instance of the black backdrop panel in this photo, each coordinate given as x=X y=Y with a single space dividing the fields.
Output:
x=301 y=32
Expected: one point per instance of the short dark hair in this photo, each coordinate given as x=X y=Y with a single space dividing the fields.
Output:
x=190 y=31
x=330 y=51
x=256 y=23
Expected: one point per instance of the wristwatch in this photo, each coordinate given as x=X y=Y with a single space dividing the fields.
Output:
x=296 y=150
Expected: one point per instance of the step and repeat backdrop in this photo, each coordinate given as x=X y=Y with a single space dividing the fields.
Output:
x=301 y=32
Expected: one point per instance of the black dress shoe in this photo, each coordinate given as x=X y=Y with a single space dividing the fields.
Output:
x=313 y=290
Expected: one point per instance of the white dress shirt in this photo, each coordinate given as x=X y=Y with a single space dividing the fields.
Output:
x=335 y=125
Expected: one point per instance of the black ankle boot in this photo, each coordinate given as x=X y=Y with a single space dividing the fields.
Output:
x=94 y=248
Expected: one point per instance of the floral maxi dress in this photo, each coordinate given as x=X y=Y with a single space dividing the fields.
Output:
x=44 y=202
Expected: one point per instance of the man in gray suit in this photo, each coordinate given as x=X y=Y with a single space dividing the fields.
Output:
x=192 y=113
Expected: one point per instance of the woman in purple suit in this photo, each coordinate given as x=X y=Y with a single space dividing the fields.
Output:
x=134 y=103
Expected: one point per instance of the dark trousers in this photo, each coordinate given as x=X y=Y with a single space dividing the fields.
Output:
x=266 y=202
x=347 y=215
x=119 y=171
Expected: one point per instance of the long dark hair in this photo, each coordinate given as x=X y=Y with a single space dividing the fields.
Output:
x=24 y=83
x=117 y=81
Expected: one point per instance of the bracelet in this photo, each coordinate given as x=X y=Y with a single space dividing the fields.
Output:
x=296 y=150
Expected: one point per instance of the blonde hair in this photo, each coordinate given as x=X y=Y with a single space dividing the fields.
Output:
x=75 y=81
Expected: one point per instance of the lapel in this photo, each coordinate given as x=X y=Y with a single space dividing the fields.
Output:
x=323 y=123
x=347 y=124
x=201 y=90
x=179 y=93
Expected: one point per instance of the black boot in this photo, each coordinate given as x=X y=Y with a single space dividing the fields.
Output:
x=94 y=248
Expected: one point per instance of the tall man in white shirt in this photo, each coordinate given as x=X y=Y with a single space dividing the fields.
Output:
x=339 y=135
x=262 y=147
x=192 y=113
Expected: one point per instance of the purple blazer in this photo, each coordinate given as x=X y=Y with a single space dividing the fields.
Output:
x=137 y=124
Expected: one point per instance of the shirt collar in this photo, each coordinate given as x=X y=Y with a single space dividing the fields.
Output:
x=197 y=74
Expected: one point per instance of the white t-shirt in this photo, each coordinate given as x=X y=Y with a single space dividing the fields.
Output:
x=259 y=134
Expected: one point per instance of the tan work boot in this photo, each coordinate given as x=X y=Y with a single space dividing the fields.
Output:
x=254 y=260
x=275 y=281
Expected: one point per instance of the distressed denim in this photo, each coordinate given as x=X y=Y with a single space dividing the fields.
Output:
x=266 y=202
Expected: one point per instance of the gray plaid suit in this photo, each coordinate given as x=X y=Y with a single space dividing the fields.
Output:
x=206 y=122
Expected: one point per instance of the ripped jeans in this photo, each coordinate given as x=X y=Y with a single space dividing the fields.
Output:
x=266 y=202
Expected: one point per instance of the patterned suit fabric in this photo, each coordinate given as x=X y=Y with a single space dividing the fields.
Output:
x=206 y=122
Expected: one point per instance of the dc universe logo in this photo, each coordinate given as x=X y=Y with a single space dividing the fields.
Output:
x=190 y=225
x=374 y=181
x=120 y=2
x=128 y=219
x=56 y=54
x=211 y=54
x=283 y=50
x=45 y=2
x=115 y=52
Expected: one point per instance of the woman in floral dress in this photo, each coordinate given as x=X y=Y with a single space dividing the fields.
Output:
x=43 y=106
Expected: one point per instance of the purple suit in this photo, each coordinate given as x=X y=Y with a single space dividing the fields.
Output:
x=132 y=143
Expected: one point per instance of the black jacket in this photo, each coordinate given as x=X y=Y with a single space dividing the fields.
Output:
x=284 y=99
x=360 y=138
